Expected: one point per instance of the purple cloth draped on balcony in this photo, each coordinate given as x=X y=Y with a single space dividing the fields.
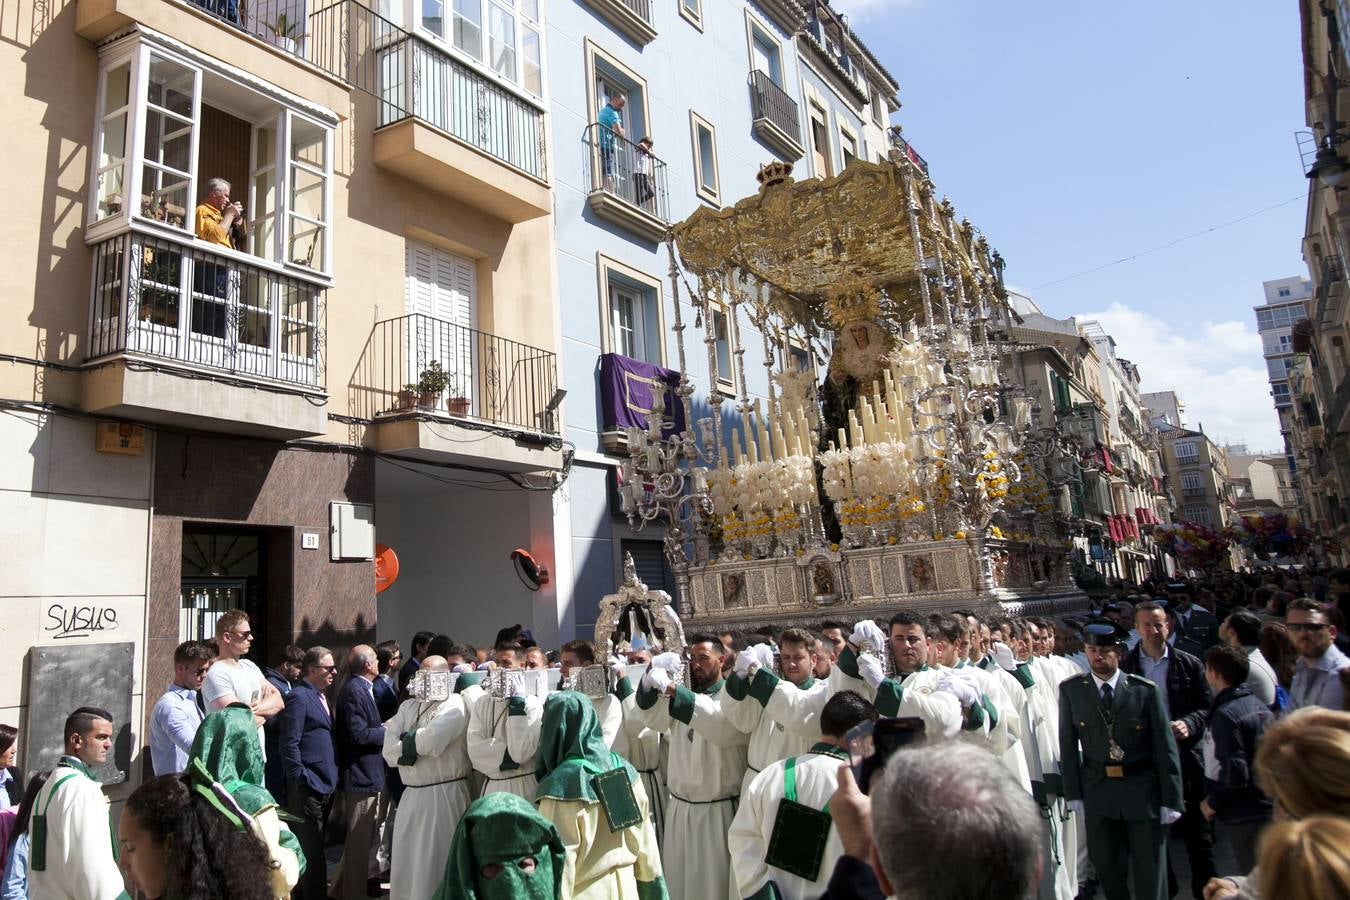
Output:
x=630 y=387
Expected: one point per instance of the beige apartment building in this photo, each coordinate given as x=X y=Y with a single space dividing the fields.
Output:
x=1198 y=471
x=189 y=426
x=1319 y=370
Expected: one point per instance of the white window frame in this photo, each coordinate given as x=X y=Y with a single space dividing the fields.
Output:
x=725 y=383
x=482 y=62
x=138 y=52
x=610 y=270
x=692 y=16
x=711 y=194
x=812 y=108
x=595 y=53
x=846 y=136
x=755 y=28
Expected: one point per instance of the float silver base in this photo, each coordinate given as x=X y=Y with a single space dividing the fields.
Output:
x=989 y=576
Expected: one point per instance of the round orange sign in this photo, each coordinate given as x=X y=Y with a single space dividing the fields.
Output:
x=386 y=567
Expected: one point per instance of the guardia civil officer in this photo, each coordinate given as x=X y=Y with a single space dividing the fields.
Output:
x=1120 y=766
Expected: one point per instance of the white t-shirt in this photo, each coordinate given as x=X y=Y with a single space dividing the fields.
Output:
x=242 y=679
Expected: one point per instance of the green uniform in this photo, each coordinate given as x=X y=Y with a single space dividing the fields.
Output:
x=1124 y=792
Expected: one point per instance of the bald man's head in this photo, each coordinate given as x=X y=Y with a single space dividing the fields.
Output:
x=435 y=664
x=362 y=661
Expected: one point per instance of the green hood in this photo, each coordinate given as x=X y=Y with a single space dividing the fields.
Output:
x=572 y=749
x=502 y=828
x=227 y=744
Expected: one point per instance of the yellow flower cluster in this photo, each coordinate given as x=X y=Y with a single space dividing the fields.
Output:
x=992 y=479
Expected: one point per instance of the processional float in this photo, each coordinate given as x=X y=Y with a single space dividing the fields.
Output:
x=910 y=476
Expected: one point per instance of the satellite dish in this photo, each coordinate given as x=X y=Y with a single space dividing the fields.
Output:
x=531 y=574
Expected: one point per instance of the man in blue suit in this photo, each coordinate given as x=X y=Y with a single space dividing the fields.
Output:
x=360 y=746
x=309 y=765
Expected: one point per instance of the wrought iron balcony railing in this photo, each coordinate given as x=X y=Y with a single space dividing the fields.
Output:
x=771 y=102
x=625 y=170
x=898 y=142
x=420 y=363
x=171 y=298
x=410 y=76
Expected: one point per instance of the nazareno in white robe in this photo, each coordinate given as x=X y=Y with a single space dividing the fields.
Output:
x=704 y=772
x=436 y=792
x=817 y=779
x=501 y=727
x=80 y=861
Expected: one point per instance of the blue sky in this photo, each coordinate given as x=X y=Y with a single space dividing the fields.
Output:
x=1074 y=134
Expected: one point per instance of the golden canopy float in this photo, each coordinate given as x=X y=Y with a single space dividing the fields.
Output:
x=888 y=482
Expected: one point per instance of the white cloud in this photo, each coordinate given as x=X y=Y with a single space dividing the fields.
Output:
x=1216 y=369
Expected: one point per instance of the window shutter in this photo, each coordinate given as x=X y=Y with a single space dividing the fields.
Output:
x=650 y=560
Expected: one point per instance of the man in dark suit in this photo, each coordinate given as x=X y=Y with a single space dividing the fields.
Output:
x=283 y=677
x=1126 y=781
x=416 y=653
x=1195 y=623
x=1186 y=700
x=360 y=746
x=309 y=765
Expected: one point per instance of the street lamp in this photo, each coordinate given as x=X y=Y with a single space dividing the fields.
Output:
x=1328 y=167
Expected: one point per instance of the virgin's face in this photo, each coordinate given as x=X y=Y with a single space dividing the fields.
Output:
x=860 y=336
x=143 y=858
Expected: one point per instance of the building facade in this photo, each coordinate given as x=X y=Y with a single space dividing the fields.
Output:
x=195 y=422
x=1198 y=471
x=1276 y=319
x=775 y=81
x=1320 y=381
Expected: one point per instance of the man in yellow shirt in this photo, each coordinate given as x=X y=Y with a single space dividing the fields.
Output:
x=217 y=217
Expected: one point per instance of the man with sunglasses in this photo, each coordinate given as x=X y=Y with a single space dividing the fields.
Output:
x=1317 y=679
x=234 y=679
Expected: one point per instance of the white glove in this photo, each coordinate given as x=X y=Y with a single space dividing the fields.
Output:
x=616 y=666
x=764 y=655
x=671 y=662
x=1076 y=806
x=744 y=660
x=1169 y=816
x=960 y=688
x=485 y=666
x=867 y=634
x=462 y=669
x=869 y=667
x=1003 y=655
x=656 y=679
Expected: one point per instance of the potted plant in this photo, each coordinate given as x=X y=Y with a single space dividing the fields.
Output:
x=458 y=404
x=431 y=384
x=284 y=32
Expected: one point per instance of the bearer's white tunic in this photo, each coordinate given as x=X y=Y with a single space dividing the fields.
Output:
x=915 y=694
x=502 y=728
x=80 y=863
x=646 y=750
x=782 y=718
x=707 y=762
x=817 y=778
x=436 y=792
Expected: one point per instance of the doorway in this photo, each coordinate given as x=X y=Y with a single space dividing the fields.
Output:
x=223 y=569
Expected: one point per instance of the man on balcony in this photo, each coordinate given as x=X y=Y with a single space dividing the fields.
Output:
x=611 y=124
x=218 y=221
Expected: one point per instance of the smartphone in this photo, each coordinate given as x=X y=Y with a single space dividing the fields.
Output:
x=870 y=744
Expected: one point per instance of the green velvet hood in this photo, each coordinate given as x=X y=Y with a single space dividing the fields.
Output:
x=502 y=829
x=227 y=744
x=572 y=749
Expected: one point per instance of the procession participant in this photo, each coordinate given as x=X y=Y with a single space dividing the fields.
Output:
x=595 y=799
x=945 y=703
x=425 y=741
x=704 y=770
x=781 y=715
x=826 y=657
x=948 y=650
x=783 y=832
x=70 y=838
x=645 y=747
x=504 y=849
x=504 y=734
x=835 y=634
x=226 y=751
x=609 y=709
x=1127 y=781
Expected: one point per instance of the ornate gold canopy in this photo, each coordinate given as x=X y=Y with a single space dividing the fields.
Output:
x=807 y=240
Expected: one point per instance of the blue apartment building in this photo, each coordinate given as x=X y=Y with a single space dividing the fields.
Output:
x=720 y=89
